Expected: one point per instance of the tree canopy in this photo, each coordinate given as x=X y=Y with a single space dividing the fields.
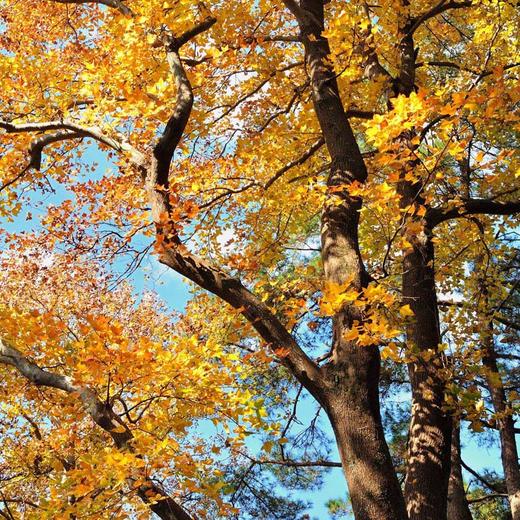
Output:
x=337 y=181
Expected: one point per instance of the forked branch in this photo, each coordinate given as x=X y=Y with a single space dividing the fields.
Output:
x=103 y=415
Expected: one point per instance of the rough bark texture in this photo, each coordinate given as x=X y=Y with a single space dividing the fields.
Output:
x=355 y=417
x=505 y=423
x=428 y=464
x=349 y=388
x=458 y=507
x=352 y=375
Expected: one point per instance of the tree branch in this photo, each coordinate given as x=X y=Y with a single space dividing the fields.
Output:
x=11 y=356
x=103 y=415
x=441 y=7
x=435 y=216
x=300 y=464
x=297 y=162
x=493 y=487
x=176 y=256
x=452 y=65
x=305 y=18
x=493 y=496
x=116 y=4
x=177 y=42
x=171 y=136
x=74 y=131
x=37 y=146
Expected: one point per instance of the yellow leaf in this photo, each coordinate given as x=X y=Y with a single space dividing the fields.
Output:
x=405 y=311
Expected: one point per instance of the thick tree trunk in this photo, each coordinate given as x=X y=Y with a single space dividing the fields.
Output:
x=351 y=378
x=353 y=409
x=428 y=465
x=458 y=507
x=505 y=424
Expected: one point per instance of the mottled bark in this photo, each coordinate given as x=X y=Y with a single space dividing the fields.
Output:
x=458 y=507
x=505 y=421
x=428 y=461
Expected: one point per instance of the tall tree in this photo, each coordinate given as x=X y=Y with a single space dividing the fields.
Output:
x=371 y=135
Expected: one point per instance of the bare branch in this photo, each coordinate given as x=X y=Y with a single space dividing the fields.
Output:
x=493 y=496
x=275 y=38
x=298 y=463
x=494 y=487
x=452 y=65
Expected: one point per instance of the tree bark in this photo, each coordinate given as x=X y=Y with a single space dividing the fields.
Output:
x=458 y=507
x=351 y=378
x=353 y=409
x=429 y=446
x=505 y=423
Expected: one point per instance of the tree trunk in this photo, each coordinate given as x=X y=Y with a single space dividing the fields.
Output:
x=351 y=378
x=353 y=409
x=428 y=464
x=505 y=423
x=458 y=507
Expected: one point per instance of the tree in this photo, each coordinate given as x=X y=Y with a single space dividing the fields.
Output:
x=85 y=364
x=380 y=138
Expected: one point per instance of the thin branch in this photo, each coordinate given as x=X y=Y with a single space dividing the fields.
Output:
x=299 y=464
x=441 y=7
x=480 y=478
x=296 y=162
x=493 y=496
x=452 y=65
